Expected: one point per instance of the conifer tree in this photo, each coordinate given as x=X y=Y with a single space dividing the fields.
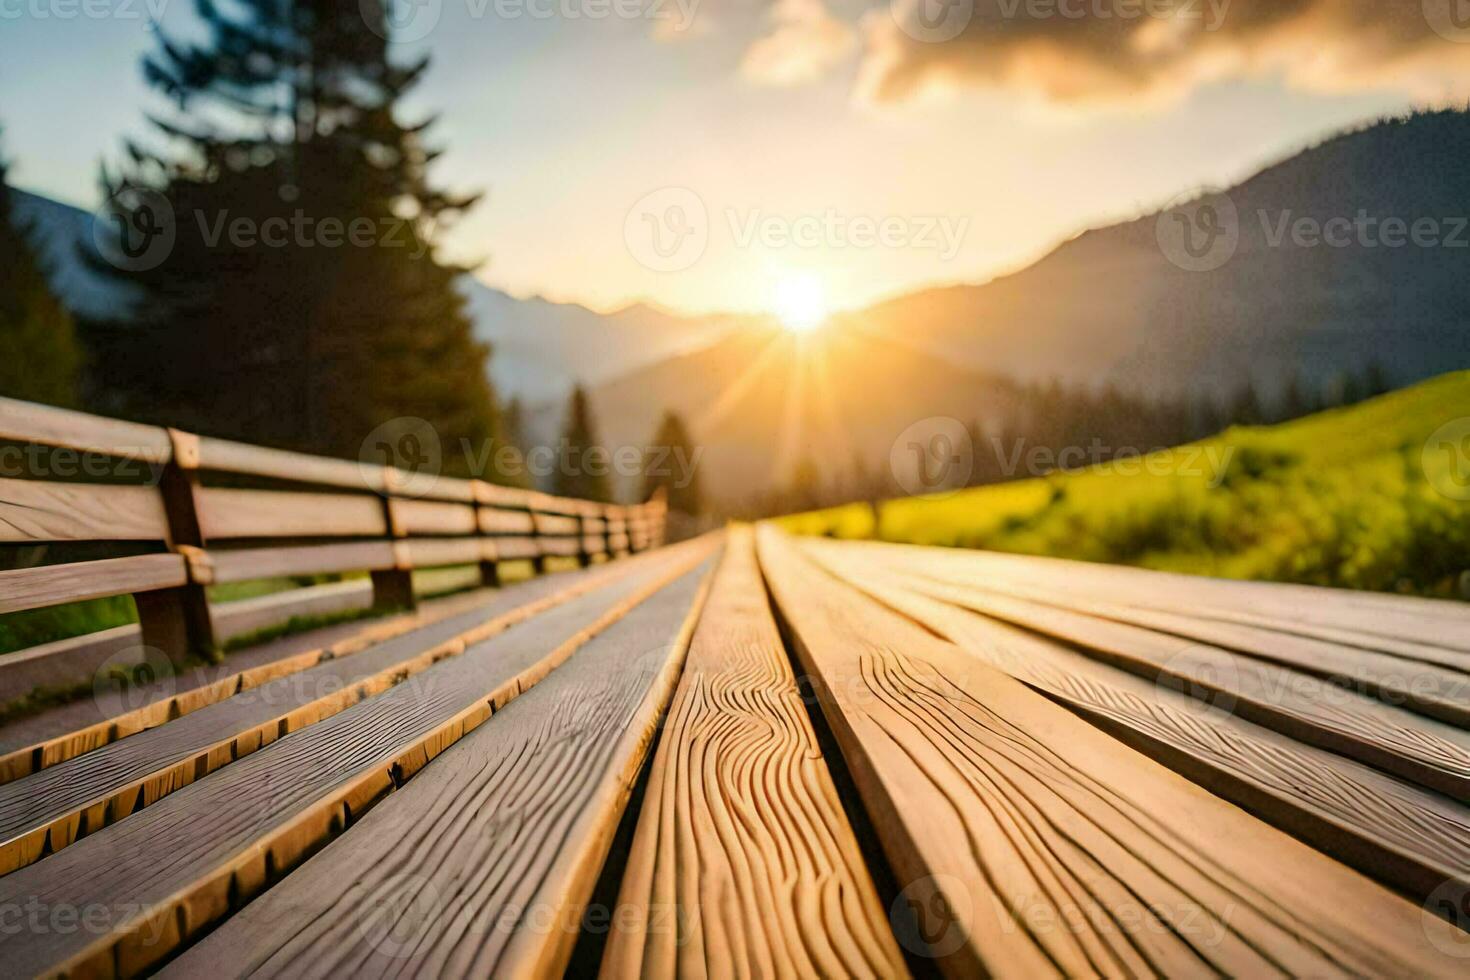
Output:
x=581 y=472
x=671 y=463
x=39 y=358
x=300 y=302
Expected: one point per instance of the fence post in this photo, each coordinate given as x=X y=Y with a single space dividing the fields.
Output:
x=489 y=567
x=177 y=620
x=393 y=587
x=584 y=530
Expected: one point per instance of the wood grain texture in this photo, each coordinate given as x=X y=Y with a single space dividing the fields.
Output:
x=34 y=511
x=495 y=847
x=1301 y=706
x=1031 y=844
x=28 y=422
x=103 y=724
x=48 y=585
x=743 y=863
x=51 y=809
x=1434 y=629
x=172 y=869
x=1435 y=690
x=225 y=513
x=1408 y=837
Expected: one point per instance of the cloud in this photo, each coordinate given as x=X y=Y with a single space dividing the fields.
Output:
x=1127 y=51
x=804 y=43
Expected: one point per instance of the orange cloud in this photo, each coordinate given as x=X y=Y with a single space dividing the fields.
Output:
x=1123 y=51
x=805 y=42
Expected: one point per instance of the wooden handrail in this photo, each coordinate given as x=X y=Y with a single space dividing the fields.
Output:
x=327 y=515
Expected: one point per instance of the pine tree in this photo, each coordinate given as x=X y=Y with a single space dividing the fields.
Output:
x=300 y=303
x=38 y=351
x=582 y=470
x=1245 y=407
x=513 y=439
x=670 y=462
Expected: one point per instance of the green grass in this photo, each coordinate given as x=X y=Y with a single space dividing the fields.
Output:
x=1346 y=498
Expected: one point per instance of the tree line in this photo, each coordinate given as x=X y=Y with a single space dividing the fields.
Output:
x=1068 y=426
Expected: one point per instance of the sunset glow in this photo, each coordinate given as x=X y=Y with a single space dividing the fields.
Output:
x=800 y=303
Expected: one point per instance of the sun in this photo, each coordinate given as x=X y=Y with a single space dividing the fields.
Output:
x=800 y=303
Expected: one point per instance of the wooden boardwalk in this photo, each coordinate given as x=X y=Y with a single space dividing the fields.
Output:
x=752 y=755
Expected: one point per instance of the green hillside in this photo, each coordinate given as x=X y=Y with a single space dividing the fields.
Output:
x=1374 y=496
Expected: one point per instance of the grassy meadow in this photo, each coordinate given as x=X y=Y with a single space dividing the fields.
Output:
x=1373 y=496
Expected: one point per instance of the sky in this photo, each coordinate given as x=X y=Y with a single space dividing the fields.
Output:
x=725 y=155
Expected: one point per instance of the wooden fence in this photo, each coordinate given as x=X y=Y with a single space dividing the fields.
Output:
x=162 y=514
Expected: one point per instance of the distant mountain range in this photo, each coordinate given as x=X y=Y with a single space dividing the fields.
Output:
x=1124 y=304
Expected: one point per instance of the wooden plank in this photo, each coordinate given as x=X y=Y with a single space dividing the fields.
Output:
x=225 y=513
x=529 y=801
x=1303 y=707
x=743 y=855
x=250 y=563
x=28 y=422
x=1429 y=688
x=1437 y=624
x=565 y=547
x=48 y=585
x=1029 y=843
x=238 y=457
x=505 y=522
x=492 y=495
x=34 y=511
x=429 y=552
x=51 y=809
x=99 y=729
x=1142 y=590
x=1405 y=836
x=508 y=549
x=431 y=517
x=443 y=488
x=555 y=524
x=172 y=869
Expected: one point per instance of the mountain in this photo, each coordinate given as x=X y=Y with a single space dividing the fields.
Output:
x=761 y=400
x=59 y=232
x=1111 y=305
x=539 y=348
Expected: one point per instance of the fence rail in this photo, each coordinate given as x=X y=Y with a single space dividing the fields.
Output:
x=202 y=511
